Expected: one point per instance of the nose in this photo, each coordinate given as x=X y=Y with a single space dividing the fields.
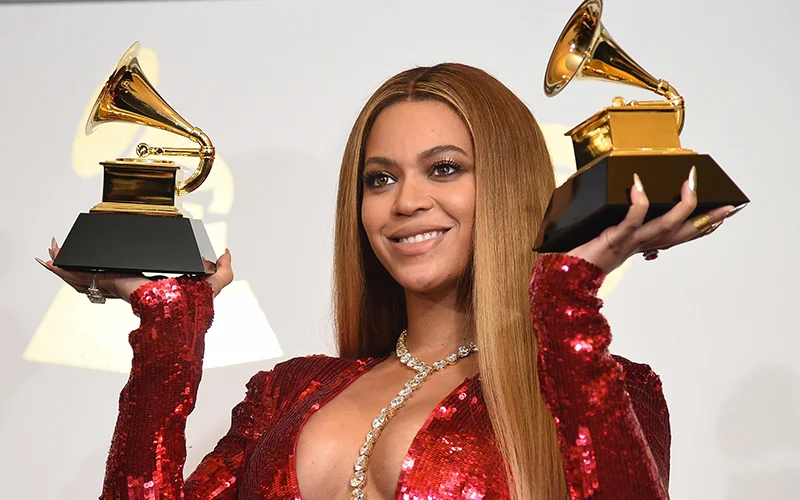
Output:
x=412 y=196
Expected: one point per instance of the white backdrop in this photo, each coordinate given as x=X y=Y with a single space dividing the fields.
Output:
x=277 y=85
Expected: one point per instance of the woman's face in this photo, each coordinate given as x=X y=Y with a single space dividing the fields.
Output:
x=418 y=205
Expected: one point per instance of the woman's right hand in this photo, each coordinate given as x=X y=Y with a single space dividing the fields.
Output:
x=118 y=285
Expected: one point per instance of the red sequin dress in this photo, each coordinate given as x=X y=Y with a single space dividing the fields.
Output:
x=610 y=414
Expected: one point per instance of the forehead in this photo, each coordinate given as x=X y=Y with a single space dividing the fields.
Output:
x=406 y=128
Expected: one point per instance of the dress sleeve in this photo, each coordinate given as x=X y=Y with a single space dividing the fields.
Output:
x=148 y=448
x=609 y=451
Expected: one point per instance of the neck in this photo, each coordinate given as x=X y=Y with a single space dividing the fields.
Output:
x=437 y=325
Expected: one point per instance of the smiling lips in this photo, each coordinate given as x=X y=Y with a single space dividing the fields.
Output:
x=421 y=237
x=419 y=243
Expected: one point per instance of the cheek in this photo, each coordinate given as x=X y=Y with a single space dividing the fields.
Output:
x=371 y=217
x=462 y=206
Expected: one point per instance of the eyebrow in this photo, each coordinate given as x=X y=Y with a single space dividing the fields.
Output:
x=425 y=155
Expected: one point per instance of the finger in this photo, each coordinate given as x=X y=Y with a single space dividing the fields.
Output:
x=708 y=231
x=73 y=279
x=44 y=264
x=664 y=227
x=54 y=249
x=702 y=225
x=77 y=286
x=735 y=211
x=60 y=273
x=618 y=236
x=695 y=228
x=730 y=213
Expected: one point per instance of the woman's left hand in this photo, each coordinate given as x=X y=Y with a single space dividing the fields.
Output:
x=616 y=244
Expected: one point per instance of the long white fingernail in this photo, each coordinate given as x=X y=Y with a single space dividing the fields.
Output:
x=713 y=227
x=693 y=179
x=733 y=211
x=638 y=183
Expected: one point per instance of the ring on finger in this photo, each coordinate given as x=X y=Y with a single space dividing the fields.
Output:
x=703 y=222
x=95 y=297
x=650 y=254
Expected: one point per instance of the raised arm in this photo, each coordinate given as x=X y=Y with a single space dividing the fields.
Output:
x=148 y=449
x=607 y=452
x=610 y=414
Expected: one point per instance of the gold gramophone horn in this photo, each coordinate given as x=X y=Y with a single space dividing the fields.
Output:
x=137 y=227
x=129 y=97
x=585 y=49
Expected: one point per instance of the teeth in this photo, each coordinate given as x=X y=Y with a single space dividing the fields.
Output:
x=421 y=237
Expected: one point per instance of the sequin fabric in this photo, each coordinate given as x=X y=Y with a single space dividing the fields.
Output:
x=610 y=414
x=148 y=450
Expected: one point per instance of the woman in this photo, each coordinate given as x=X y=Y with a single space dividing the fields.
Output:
x=444 y=181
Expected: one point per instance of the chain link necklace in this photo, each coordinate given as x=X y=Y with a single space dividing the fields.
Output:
x=359 y=477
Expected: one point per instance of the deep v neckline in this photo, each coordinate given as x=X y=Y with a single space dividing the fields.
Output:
x=369 y=364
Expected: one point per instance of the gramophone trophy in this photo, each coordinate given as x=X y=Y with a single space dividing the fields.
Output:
x=136 y=227
x=640 y=137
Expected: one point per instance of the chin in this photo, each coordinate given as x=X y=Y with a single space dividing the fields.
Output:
x=426 y=282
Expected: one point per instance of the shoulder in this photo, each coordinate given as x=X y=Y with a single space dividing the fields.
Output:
x=318 y=366
x=643 y=386
x=638 y=373
x=293 y=376
x=641 y=380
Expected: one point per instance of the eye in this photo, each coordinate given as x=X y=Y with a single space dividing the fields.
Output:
x=378 y=179
x=446 y=168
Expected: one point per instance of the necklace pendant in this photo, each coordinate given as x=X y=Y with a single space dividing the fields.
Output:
x=359 y=477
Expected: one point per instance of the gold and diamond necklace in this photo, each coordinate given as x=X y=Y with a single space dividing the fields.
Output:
x=359 y=478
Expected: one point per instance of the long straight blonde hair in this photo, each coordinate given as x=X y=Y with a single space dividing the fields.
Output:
x=514 y=180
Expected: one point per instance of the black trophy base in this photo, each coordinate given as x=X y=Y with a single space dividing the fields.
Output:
x=599 y=197
x=118 y=242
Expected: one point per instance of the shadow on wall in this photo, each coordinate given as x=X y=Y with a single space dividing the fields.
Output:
x=757 y=433
x=281 y=240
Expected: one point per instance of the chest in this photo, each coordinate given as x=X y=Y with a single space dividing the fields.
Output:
x=439 y=444
x=330 y=442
